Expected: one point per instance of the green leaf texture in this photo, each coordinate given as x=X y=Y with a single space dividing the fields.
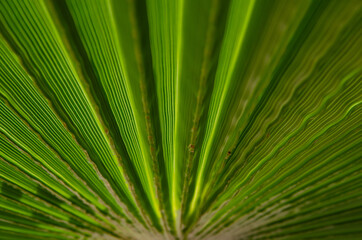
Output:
x=180 y=119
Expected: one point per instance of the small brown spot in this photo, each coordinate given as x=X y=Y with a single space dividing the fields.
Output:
x=191 y=148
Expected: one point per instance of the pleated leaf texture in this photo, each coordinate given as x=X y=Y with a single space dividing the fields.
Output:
x=180 y=119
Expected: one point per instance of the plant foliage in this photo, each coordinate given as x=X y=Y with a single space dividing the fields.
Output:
x=180 y=119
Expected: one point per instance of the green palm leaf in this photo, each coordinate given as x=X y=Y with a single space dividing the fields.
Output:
x=155 y=119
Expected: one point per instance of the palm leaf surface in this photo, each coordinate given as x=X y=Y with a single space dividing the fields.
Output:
x=161 y=119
